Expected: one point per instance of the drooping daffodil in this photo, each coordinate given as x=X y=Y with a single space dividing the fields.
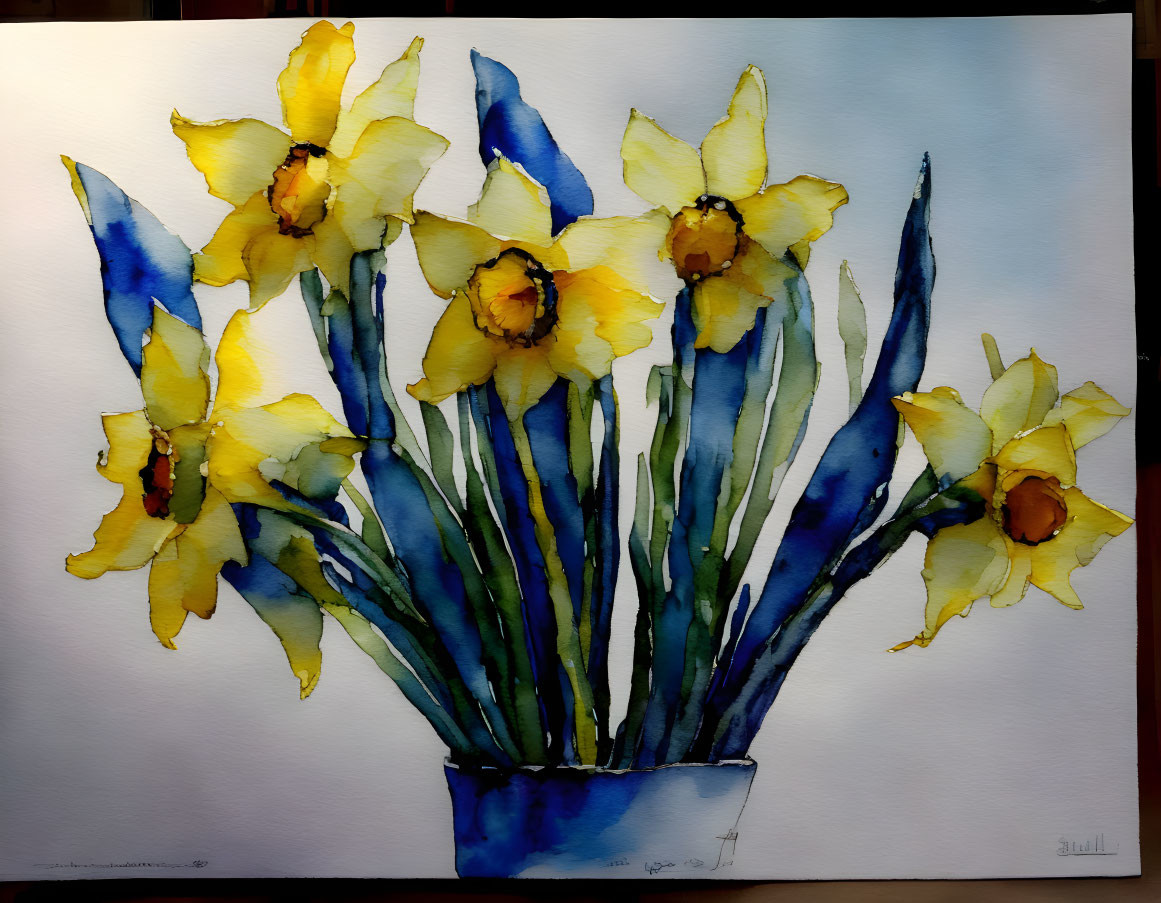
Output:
x=181 y=465
x=527 y=308
x=729 y=231
x=1018 y=454
x=341 y=182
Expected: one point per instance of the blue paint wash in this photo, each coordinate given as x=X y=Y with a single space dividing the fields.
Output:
x=514 y=129
x=579 y=822
x=845 y=494
x=141 y=261
x=511 y=128
x=546 y=424
x=780 y=656
x=555 y=691
x=719 y=383
x=608 y=560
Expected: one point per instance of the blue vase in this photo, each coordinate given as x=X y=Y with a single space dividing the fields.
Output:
x=596 y=823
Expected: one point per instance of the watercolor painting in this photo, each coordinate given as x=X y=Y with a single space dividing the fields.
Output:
x=579 y=488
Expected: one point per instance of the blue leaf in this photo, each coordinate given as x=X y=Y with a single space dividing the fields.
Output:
x=141 y=261
x=512 y=505
x=608 y=550
x=513 y=129
x=847 y=491
x=547 y=425
x=718 y=389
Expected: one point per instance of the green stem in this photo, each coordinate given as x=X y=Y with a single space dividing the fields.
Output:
x=785 y=427
x=568 y=645
x=580 y=456
x=371 y=530
x=500 y=576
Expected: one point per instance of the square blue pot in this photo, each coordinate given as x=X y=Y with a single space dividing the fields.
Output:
x=675 y=820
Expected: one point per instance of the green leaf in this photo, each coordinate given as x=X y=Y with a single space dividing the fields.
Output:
x=371 y=530
x=852 y=323
x=442 y=449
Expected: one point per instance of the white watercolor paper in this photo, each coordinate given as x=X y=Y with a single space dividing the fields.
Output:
x=986 y=755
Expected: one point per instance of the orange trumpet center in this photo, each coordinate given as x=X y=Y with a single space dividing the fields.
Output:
x=1034 y=510
x=513 y=297
x=296 y=197
x=157 y=476
x=703 y=240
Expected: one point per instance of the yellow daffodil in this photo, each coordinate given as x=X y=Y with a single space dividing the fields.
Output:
x=335 y=185
x=181 y=466
x=1018 y=453
x=525 y=308
x=728 y=230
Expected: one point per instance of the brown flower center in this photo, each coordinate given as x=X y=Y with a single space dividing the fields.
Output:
x=703 y=240
x=295 y=196
x=157 y=476
x=513 y=297
x=1034 y=510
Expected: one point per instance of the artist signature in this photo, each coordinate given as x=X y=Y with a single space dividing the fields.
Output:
x=661 y=865
x=725 y=857
x=196 y=864
x=1090 y=846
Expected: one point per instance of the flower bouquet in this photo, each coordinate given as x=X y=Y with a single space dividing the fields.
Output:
x=475 y=555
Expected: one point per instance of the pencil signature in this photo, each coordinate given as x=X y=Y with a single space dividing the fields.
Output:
x=1090 y=846
x=196 y=864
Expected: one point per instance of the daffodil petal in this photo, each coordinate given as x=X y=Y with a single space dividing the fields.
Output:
x=251 y=444
x=578 y=353
x=784 y=216
x=459 y=354
x=1047 y=449
x=450 y=251
x=175 y=377
x=242 y=357
x=184 y=575
x=311 y=85
x=220 y=262
x=332 y=251
x=1019 y=575
x=954 y=438
x=392 y=95
x=1087 y=412
x=616 y=311
x=723 y=312
x=629 y=245
x=662 y=169
x=294 y=616
x=380 y=177
x=1020 y=399
x=725 y=306
x=129 y=445
x=203 y=547
x=317 y=471
x=126 y=539
x=272 y=261
x=734 y=151
x=512 y=205
x=522 y=376
x=1090 y=525
x=166 y=613
x=237 y=156
x=963 y=563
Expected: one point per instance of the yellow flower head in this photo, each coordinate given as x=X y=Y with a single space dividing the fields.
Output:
x=728 y=233
x=525 y=308
x=1018 y=454
x=180 y=467
x=337 y=184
